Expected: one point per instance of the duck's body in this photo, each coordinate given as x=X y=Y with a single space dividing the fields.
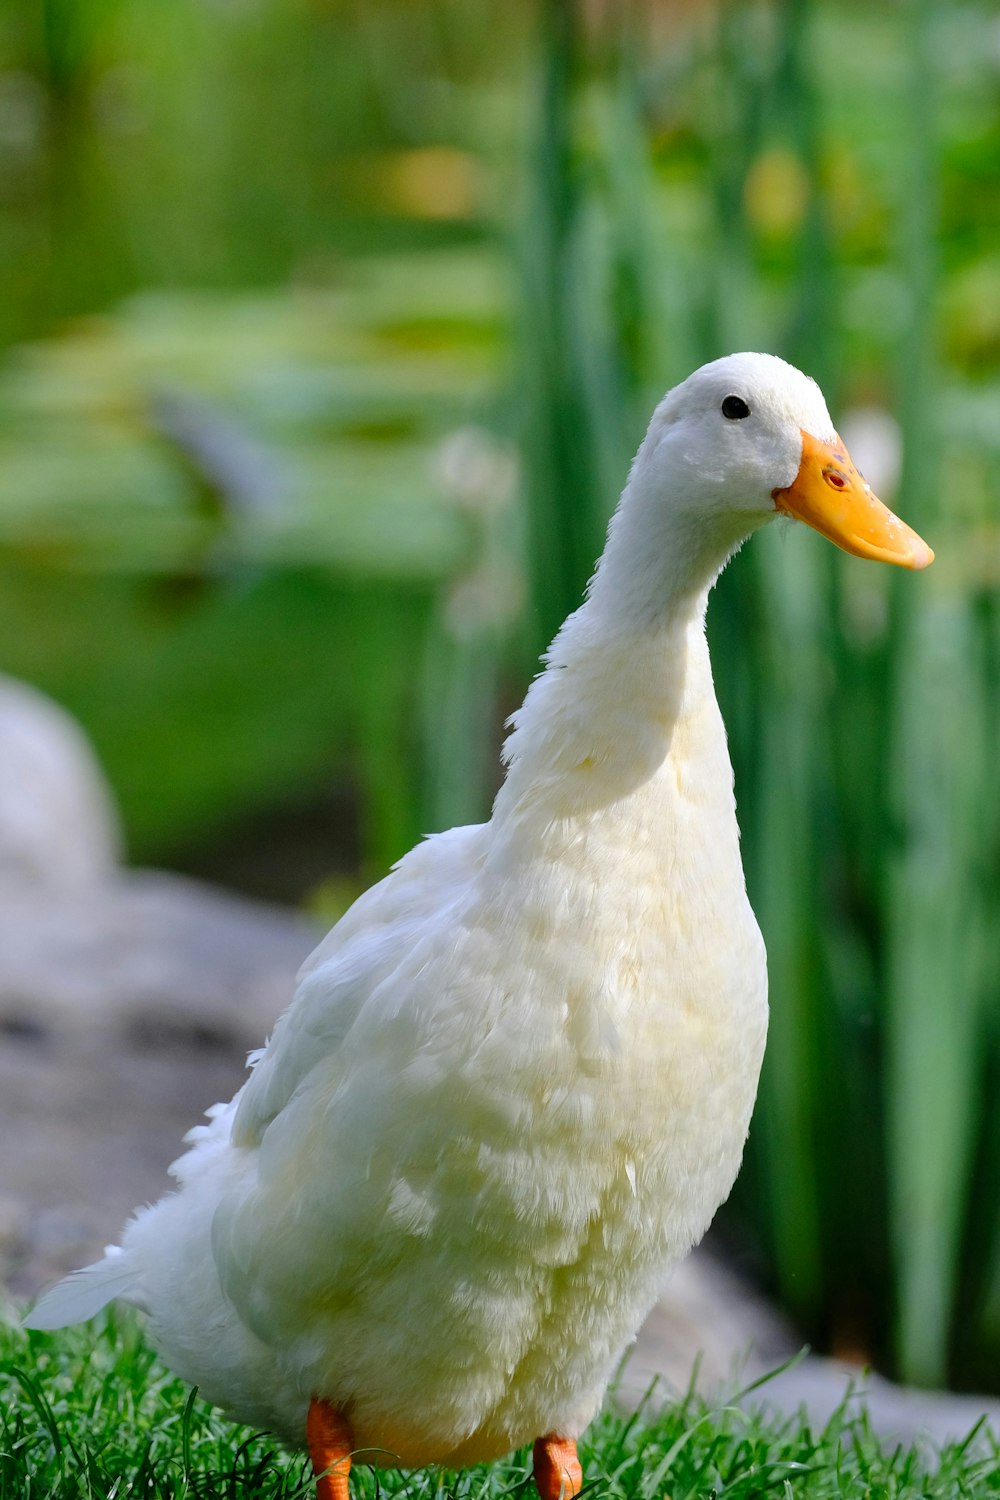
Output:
x=516 y=1079
x=469 y=1142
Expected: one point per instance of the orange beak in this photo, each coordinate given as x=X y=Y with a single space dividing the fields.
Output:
x=830 y=495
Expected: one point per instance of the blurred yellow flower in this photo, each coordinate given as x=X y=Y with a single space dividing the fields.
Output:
x=776 y=191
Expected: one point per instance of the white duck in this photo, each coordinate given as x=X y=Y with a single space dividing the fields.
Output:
x=515 y=1080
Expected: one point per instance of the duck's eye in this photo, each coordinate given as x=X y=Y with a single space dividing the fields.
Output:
x=735 y=408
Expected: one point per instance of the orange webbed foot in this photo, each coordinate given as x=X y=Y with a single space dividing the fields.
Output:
x=330 y=1442
x=557 y=1471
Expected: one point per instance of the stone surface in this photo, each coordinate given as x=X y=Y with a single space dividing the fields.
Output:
x=710 y=1325
x=58 y=822
x=125 y=1011
x=900 y=1414
x=148 y=958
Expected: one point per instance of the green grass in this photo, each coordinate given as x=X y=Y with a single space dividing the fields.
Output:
x=89 y=1412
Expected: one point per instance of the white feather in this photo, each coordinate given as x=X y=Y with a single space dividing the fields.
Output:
x=83 y=1293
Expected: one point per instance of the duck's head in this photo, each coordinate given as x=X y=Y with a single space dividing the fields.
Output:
x=749 y=437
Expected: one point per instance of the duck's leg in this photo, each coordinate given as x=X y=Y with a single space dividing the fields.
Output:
x=331 y=1442
x=557 y=1471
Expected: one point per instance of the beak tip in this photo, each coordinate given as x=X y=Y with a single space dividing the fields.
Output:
x=921 y=556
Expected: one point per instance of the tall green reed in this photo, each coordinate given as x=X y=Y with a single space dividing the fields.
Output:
x=939 y=970
x=588 y=345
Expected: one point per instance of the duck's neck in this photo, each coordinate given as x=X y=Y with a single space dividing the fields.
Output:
x=621 y=674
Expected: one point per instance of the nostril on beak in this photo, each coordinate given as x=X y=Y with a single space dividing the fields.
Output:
x=835 y=479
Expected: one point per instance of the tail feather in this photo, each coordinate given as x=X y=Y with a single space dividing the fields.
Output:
x=83 y=1293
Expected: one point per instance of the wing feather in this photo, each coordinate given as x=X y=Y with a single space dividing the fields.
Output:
x=360 y=952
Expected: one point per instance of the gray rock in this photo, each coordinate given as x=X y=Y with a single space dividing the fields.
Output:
x=128 y=1000
x=126 y=1009
x=898 y=1413
x=58 y=822
x=710 y=1328
x=149 y=959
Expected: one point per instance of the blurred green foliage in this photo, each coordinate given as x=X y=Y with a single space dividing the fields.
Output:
x=289 y=285
x=234 y=517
